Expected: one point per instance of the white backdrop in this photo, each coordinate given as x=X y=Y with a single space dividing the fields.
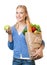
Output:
x=37 y=10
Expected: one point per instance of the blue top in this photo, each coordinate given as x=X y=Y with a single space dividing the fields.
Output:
x=18 y=44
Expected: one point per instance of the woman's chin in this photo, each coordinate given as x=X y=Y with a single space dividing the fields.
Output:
x=19 y=20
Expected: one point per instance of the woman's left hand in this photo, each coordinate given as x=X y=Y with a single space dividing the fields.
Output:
x=38 y=52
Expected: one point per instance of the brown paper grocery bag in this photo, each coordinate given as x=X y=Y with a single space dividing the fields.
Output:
x=34 y=41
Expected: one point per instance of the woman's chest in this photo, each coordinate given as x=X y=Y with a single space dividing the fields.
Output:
x=20 y=29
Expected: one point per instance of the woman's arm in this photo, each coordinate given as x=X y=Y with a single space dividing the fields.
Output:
x=10 y=42
x=10 y=37
x=43 y=44
x=40 y=50
x=11 y=45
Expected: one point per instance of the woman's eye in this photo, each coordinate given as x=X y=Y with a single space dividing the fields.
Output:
x=19 y=12
x=16 y=12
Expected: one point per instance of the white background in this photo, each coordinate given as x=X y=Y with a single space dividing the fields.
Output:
x=37 y=10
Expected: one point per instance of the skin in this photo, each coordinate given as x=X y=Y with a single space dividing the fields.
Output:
x=20 y=16
x=38 y=52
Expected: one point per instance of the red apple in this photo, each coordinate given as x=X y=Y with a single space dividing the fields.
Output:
x=33 y=29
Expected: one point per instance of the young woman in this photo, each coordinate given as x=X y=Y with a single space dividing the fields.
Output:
x=16 y=39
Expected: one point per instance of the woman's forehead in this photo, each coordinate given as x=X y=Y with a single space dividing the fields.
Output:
x=20 y=9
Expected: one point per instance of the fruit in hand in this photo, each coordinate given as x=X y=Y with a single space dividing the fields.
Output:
x=33 y=29
x=6 y=27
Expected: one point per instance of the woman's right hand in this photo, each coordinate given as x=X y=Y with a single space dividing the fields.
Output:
x=9 y=34
x=8 y=30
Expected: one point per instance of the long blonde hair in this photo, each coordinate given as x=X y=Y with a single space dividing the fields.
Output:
x=27 y=17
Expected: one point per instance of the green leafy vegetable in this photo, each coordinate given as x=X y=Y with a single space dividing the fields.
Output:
x=25 y=30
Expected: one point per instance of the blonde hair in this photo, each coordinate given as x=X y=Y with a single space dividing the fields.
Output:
x=27 y=17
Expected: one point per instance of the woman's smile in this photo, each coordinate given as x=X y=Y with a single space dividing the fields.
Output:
x=20 y=14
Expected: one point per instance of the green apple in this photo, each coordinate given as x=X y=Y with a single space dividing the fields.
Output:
x=6 y=27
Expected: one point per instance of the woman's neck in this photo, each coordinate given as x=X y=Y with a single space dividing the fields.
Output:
x=22 y=23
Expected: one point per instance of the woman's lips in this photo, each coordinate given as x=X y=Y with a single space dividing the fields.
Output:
x=18 y=17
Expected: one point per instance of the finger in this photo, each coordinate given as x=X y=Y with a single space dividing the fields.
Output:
x=35 y=57
x=34 y=54
x=6 y=31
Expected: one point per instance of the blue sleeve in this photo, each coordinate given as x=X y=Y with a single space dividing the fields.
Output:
x=11 y=45
x=43 y=42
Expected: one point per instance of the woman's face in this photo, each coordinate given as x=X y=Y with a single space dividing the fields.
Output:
x=20 y=14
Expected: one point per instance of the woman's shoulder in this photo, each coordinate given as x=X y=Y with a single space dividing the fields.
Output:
x=13 y=29
x=15 y=25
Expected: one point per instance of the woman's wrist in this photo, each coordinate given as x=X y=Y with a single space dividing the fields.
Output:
x=10 y=37
x=41 y=47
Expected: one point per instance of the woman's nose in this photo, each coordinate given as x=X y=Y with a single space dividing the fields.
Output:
x=18 y=14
